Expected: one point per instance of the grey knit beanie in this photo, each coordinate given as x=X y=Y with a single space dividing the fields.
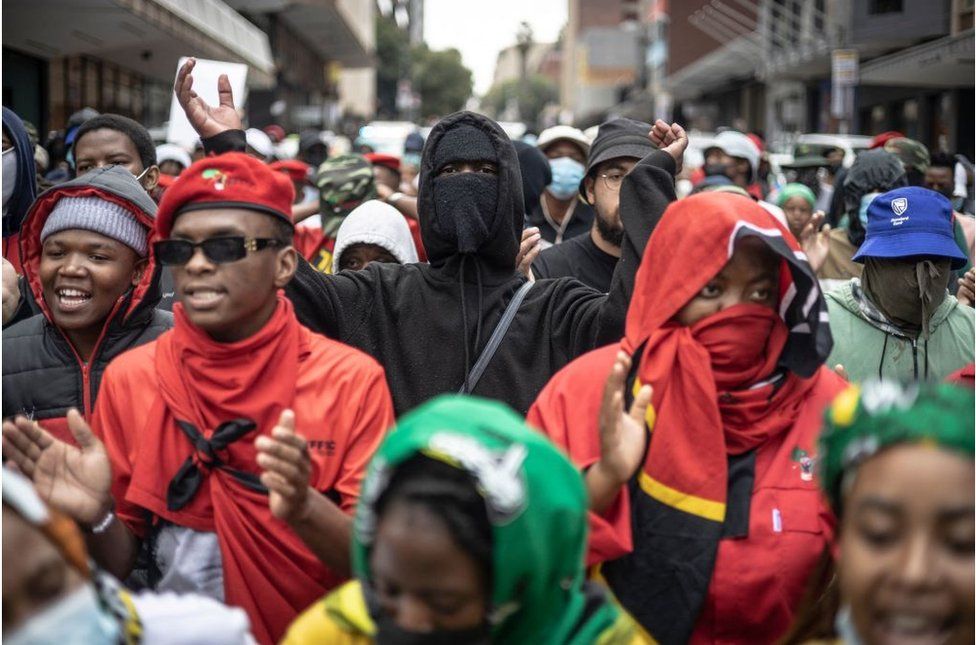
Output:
x=99 y=216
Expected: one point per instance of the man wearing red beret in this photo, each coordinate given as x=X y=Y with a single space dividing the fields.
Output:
x=468 y=320
x=196 y=434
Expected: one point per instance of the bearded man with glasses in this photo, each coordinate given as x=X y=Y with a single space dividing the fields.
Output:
x=235 y=444
x=591 y=259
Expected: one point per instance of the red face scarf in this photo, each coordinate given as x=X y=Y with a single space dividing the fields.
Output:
x=231 y=393
x=722 y=388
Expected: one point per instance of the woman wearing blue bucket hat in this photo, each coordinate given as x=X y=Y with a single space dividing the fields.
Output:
x=898 y=321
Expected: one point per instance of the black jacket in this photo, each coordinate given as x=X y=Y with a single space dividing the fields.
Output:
x=580 y=222
x=42 y=374
x=409 y=317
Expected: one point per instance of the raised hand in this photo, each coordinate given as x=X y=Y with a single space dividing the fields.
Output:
x=623 y=436
x=815 y=241
x=287 y=468
x=672 y=139
x=205 y=119
x=967 y=288
x=75 y=481
x=529 y=250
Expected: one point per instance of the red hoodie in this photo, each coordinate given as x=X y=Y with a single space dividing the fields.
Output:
x=756 y=578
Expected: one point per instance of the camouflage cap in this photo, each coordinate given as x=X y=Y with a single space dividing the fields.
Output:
x=912 y=153
x=344 y=182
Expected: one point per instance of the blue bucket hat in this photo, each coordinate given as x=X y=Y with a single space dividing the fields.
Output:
x=910 y=221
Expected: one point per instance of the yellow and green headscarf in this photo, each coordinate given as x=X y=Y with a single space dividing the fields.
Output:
x=864 y=420
x=536 y=504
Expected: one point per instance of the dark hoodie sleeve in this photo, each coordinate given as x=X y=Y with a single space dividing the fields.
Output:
x=226 y=141
x=583 y=318
x=25 y=189
x=645 y=194
x=333 y=305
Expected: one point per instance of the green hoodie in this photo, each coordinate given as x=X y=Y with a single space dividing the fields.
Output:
x=537 y=506
x=867 y=348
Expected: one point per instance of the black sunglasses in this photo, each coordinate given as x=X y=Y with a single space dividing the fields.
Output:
x=219 y=250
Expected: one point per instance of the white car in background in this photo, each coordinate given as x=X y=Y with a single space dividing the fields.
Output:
x=386 y=136
x=807 y=145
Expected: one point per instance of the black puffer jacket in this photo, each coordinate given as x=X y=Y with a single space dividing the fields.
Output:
x=409 y=317
x=42 y=374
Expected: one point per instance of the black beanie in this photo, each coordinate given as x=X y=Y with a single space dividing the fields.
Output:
x=463 y=143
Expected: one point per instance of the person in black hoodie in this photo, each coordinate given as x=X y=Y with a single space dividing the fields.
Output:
x=427 y=324
x=19 y=182
x=88 y=260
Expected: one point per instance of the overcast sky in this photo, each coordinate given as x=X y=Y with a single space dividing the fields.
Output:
x=479 y=30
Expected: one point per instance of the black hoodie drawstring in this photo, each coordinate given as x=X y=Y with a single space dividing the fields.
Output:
x=481 y=304
x=464 y=324
x=926 y=359
x=915 y=359
x=464 y=316
x=884 y=350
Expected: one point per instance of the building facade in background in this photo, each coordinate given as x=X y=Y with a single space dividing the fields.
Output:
x=766 y=65
x=602 y=57
x=121 y=55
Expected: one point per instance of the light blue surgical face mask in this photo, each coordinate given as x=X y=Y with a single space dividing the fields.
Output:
x=76 y=618
x=862 y=212
x=566 y=176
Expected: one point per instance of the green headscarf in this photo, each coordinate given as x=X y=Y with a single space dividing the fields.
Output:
x=790 y=191
x=536 y=503
x=864 y=420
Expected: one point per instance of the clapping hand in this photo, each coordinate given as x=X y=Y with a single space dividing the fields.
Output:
x=76 y=481
x=287 y=469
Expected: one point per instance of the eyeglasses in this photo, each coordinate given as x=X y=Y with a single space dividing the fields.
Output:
x=219 y=250
x=612 y=180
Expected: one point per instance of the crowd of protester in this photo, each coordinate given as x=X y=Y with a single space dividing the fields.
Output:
x=485 y=391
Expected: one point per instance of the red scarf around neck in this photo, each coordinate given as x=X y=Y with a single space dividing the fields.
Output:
x=268 y=571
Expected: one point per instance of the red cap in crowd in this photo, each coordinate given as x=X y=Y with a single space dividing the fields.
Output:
x=883 y=138
x=756 y=139
x=276 y=132
x=295 y=169
x=231 y=180
x=381 y=159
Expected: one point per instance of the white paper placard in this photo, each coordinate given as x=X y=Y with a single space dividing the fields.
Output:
x=205 y=75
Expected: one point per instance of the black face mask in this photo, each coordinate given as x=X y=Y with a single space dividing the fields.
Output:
x=388 y=633
x=714 y=169
x=465 y=209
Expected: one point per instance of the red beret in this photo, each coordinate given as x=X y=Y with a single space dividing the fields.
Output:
x=231 y=180
x=295 y=169
x=883 y=138
x=380 y=159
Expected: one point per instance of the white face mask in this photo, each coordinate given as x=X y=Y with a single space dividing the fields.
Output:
x=76 y=618
x=9 y=176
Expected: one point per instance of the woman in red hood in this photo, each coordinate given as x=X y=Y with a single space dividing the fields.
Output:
x=713 y=536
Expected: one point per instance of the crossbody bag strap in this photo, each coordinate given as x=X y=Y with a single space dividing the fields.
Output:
x=496 y=339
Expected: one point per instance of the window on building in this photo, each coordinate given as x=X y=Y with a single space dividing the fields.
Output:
x=876 y=7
